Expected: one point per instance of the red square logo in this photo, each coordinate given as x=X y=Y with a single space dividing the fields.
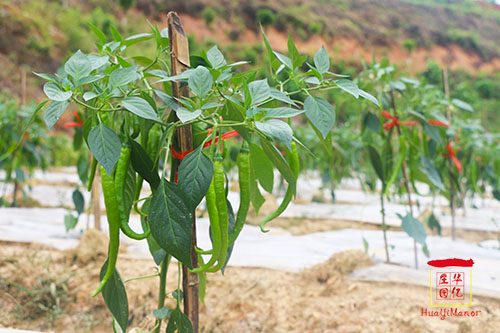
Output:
x=450 y=285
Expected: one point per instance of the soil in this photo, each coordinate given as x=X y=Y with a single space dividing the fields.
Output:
x=49 y=290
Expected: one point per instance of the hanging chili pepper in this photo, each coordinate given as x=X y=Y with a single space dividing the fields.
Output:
x=119 y=182
x=453 y=156
x=293 y=160
x=244 y=180
x=108 y=190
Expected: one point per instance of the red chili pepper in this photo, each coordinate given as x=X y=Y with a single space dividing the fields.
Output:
x=182 y=154
x=451 y=154
x=438 y=123
x=79 y=122
x=395 y=121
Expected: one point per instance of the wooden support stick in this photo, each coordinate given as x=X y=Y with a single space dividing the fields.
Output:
x=179 y=53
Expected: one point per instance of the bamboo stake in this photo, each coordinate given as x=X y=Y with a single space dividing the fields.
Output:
x=179 y=53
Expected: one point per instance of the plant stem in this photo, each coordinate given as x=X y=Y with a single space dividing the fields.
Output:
x=407 y=183
x=161 y=288
x=384 y=227
x=141 y=277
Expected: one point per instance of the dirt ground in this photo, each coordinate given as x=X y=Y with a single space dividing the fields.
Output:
x=48 y=290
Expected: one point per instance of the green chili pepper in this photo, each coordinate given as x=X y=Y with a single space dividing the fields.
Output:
x=93 y=169
x=293 y=160
x=153 y=141
x=220 y=200
x=244 y=180
x=119 y=182
x=108 y=190
x=399 y=163
x=213 y=215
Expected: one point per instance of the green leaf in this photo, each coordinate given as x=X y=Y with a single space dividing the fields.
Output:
x=179 y=323
x=53 y=112
x=376 y=163
x=215 y=57
x=281 y=112
x=428 y=168
x=116 y=34
x=122 y=76
x=167 y=99
x=263 y=167
x=98 y=33
x=284 y=59
x=433 y=223
x=414 y=228
x=78 y=66
x=178 y=294
x=137 y=38
x=105 y=144
x=278 y=95
x=79 y=201
x=462 y=105
x=432 y=132
x=278 y=160
x=320 y=113
x=397 y=85
x=259 y=91
x=348 y=86
x=322 y=61
x=115 y=297
x=366 y=245
x=90 y=79
x=270 y=51
x=186 y=115
x=278 y=129
x=88 y=95
x=47 y=77
x=156 y=251
x=425 y=250
x=97 y=61
x=195 y=175
x=368 y=96
x=371 y=122
x=139 y=107
x=297 y=60
x=171 y=221
x=70 y=222
x=55 y=93
x=143 y=164
x=162 y=313
x=200 y=81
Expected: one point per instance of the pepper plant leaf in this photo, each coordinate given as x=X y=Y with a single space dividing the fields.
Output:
x=115 y=297
x=105 y=144
x=171 y=221
x=195 y=175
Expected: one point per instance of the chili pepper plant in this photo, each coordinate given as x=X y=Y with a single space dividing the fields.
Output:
x=404 y=145
x=21 y=154
x=130 y=117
